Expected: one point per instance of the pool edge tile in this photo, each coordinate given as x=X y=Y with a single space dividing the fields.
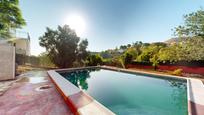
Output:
x=71 y=100
x=80 y=99
x=63 y=84
x=195 y=97
x=142 y=72
x=195 y=109
x=94 y=108
x=196 y=91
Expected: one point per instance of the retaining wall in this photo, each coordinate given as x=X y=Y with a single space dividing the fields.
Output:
x=186 y=69
x=7 y=62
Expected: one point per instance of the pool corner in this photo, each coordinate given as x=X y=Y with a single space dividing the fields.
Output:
x=77 y=100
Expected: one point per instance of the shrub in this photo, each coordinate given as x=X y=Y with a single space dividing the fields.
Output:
x=177 y=72
x=118 y=62
x=154 y=61
x=107 y=61
x=125 y=59
x=21 y=59
x=94 y=60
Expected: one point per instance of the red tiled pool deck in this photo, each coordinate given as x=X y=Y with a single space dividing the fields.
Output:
x=23 y=98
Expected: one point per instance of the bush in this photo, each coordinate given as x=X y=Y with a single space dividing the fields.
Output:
x=45 y=61
x=177 y=72
x=33 y=60
x=118 y=62
x=94 y=60
x=127 y=58
x=21 y=59
x=107 y=61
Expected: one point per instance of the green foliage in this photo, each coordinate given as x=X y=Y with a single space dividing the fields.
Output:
x=10 y=17
x=94 y=60
x=193 y=49
x=170 y=53
x=107 y=61
x=193 y=25
x=106 y=54
x=189 y=50
x=63 y=46
x=115 y=61
x=155 y=61
x=144 y=57
x=177 y=72
x=82 y=52
x=149 y=51
x=134 y=52
x=33 y=60
x=123 y=47
x=126 y=58
x=21 y=59
x=45 y=60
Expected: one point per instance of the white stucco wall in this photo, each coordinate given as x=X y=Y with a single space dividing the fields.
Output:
x=22 y=46
x=7 y=62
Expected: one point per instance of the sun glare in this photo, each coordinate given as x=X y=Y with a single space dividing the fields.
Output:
x=76 y=23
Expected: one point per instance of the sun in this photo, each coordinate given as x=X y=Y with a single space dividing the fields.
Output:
x=77 y=23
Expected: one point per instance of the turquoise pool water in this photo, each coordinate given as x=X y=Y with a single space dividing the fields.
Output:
x=132 y=94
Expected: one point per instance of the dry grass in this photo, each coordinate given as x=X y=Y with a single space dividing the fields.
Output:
x=25 y=68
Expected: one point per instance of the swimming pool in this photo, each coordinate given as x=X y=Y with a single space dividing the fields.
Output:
x=127 y=94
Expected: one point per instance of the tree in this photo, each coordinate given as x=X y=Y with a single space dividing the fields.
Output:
x=169 y=53
x=94 y=60
x=193 y=31
x=135 y=52
x=148 y=52
x=194 y=48
x=193 y=25
x=10 y=17
x=155 y=61
x=127 y=58
x=82 y=52
x=33 y=60
x=190 y=50
x=123 y=47
x=105 y=54
x=63 y=46
x=45 y=60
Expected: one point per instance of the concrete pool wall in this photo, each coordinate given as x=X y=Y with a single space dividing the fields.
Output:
x=82 y=104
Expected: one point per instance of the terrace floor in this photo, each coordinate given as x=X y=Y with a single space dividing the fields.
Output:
x=25 y=98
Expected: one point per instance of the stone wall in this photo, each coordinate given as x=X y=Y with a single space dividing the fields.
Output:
x=7 y=62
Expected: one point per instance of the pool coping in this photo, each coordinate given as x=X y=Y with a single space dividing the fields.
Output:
x=81 y=103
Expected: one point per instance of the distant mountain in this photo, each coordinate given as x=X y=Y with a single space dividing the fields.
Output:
x=176 y=40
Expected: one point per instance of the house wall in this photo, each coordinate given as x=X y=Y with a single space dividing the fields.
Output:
x=7 y=62
x=22 y=46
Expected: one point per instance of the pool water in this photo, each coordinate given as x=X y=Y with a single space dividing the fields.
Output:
x=132 y=94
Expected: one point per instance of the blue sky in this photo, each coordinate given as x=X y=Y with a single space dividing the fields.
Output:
x=109 y=23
